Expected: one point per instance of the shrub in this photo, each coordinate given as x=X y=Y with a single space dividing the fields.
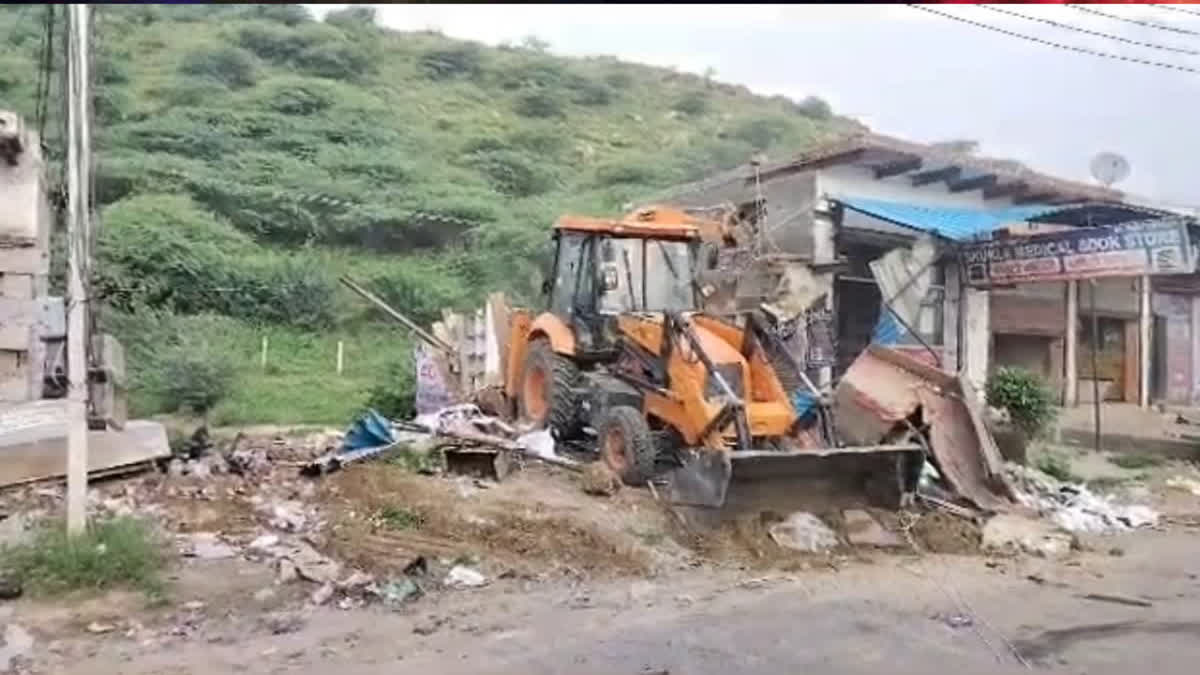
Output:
x=814 y=108
x=354 y=16
x=292 y=97
x=193 y=376
x=342 y=60
x=538 y=104
x=619 y=80
x=286 y=14
x=628 y=173
x=1029 y=402
x=589 y=92
x=761 y=132
x=110 y=553
x=1057 y=466
x=229 y=65
x=511 y=172
x=394 y=393
x=693 y=103
x=464 y=60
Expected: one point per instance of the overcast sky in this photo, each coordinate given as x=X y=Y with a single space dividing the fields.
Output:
x=909 y=73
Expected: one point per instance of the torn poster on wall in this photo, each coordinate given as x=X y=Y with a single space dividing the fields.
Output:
x=1134 y=249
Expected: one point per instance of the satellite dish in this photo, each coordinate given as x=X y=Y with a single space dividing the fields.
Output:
x=1109 y=168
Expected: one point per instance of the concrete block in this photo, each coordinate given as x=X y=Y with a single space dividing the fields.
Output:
x=33 y=443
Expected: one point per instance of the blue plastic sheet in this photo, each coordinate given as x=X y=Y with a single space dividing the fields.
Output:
x=369 y=431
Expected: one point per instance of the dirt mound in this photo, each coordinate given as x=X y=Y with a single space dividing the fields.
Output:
x=382 y=516
x=939 y=532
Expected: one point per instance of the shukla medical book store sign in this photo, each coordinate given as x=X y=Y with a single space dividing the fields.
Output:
x=1153 y=247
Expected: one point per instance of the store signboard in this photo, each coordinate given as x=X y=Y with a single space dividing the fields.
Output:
x=1151 y=247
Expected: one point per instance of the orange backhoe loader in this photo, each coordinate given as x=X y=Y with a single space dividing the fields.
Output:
x=688 y=400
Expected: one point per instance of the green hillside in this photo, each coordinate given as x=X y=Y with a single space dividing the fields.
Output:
x=248 y=154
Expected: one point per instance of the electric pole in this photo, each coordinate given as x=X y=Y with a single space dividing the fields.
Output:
x=78 y=226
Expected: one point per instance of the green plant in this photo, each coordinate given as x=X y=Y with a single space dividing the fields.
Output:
x=1029 y=402
x=1135 y=461
x=1056 y=466
x=462 y=60
x=538 y=104
x=121 y=552
x=193 y=376
x=693 y=104
x=814 y=108
x=230 y=65
x=393 y=393
x=395 y=517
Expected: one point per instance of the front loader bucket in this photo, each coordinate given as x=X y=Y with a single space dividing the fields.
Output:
x=732 y=483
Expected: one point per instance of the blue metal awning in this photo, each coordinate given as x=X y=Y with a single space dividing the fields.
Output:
x=958 y=224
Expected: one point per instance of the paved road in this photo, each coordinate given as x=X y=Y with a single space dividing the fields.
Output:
x=896 y=615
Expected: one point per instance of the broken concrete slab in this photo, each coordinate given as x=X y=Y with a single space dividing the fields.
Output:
x=802 y=531
x=33 y=443
x=1011 y=533
x=863 y=530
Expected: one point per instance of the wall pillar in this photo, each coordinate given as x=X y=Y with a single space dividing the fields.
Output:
x=1071 y=347
x=1194 y=398
x=976 y=337
x=1144 y=343
x=825 y=222
x=950 y=318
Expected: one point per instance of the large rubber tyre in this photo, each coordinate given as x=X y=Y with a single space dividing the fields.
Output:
x=548 y=396
x=626 y=444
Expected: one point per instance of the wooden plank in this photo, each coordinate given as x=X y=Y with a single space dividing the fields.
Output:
x=1129 y=364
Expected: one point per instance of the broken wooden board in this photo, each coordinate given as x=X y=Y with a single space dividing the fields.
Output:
x=33 y=443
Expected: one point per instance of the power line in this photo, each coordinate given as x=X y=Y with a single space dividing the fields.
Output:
x=1136 y=22
x=1176 y=9
x=1077 y=29
x=1057 y=45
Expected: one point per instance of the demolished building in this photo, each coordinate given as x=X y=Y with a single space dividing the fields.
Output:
x=882 y=230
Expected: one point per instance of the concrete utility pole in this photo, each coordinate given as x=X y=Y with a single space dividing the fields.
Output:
x=78 y=225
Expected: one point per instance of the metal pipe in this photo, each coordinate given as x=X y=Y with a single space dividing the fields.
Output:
x=408 y=323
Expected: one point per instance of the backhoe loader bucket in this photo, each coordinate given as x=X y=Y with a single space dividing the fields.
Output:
x=813 y=479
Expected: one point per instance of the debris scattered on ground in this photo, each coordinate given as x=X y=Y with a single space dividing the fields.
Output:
x=461 y=576
x=282 y=623
x=399 y=591
x=1117 y=600
x=17 y=647
x=100 y=627
x=598 y=479
x=1184 y=483
x=802 y=531
x=862 y=529
x=1012 y=533
x=1075 y=508
x=955 y=620
x=206 y=546
x=322 y=594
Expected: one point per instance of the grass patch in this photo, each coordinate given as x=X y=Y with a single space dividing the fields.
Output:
x=116 y=553
x=1056 y=466
x=1135 y=461
x=399 y=518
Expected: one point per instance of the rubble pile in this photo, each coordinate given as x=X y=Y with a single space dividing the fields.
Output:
x=1074 y=507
